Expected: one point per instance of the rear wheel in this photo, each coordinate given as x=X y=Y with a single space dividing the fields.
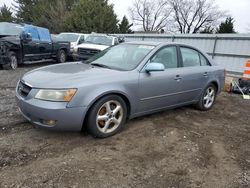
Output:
x=107 y=116
x=61 y=56
x=13 y=62
x=207 y=99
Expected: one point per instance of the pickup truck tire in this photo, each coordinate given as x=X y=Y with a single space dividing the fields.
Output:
x=61 y=56
x=13 y=62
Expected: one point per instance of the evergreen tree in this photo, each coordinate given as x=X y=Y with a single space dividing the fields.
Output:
x=51 y=14
x=92 y=16
x=124 y=26
x=26 y=9
x=5 y=14
x=227 y=26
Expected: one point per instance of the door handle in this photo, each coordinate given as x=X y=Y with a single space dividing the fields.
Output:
x=205 y=74
x=178 y=78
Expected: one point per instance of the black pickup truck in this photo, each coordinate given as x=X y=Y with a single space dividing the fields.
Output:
x=26 y=44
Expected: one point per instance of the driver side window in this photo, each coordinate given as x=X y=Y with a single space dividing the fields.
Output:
x=166 y=56
x=33 y=32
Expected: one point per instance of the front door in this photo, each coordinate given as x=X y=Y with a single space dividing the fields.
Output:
x=31 y=48
x=162 y=89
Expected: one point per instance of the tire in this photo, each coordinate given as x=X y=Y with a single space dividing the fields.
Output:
x=13 y=64
x=207 y=98
x=112 y=113
x=61 y=56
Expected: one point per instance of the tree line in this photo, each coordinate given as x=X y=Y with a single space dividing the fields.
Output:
x=86 y=16
x=83 y=16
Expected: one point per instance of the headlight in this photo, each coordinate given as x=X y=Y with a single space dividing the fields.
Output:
x=75 y=49
x=56 y=95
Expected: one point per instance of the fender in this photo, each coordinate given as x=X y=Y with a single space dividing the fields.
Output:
x=91 y=97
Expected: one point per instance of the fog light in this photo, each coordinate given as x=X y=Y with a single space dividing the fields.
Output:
x=49 y=122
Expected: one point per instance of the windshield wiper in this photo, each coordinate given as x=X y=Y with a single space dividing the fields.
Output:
x=100 y=65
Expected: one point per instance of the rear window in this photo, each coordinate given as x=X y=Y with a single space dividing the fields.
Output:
x=204 y=61
x=190 y=57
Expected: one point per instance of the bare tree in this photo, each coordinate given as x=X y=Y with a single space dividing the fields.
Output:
x=191 y=16
x=152 y=15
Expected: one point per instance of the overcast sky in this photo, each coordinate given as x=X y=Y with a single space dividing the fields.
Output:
x=238 y=9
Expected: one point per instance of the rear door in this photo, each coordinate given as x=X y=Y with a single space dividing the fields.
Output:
x=45 y=45
x=194 y=74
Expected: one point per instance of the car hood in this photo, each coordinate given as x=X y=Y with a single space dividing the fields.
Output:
x=68 y=75
x=10 y=39
x=93 y=46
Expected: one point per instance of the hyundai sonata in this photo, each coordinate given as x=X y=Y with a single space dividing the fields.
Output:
x=122 y=82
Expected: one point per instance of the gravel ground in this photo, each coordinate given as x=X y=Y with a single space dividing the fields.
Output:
x=176 y=148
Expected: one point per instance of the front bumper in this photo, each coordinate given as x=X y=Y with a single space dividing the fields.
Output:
x=71 y=53
x=36 y=111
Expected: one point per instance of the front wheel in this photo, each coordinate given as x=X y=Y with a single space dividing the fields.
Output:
x=107 y=116
x=207 y=99
x=61 y=56
x=13 y=62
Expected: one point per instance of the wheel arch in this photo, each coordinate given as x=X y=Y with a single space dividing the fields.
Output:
x=64 y=49
x=118 y=93
x=18 y=55
x=216 y=84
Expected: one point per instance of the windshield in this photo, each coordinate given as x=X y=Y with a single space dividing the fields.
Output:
x=68 y=37
x=123 y=57
x=10 y=29
x=103 y=40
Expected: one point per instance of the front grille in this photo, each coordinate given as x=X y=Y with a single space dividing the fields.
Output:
x=23 y=89
x=87 y=51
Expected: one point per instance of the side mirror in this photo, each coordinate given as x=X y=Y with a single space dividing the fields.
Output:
x=27 y=37
x=80 y=41
x=154 y=67
x=121 y=39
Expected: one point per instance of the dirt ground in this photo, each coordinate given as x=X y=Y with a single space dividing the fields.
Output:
x=177 y=148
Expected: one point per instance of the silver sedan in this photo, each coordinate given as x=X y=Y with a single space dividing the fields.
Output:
x=122 y=82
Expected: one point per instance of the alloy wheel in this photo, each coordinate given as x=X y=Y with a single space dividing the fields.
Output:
x=109 y=116
x=209 y=97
